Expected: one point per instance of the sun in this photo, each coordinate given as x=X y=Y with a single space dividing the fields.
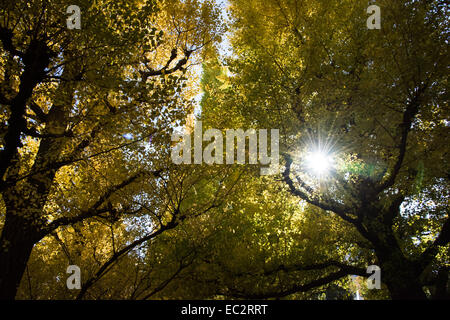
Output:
x=319 y=163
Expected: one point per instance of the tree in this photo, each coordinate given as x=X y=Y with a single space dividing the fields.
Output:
x=375 y=101
x=86 y=114
x=87 y=178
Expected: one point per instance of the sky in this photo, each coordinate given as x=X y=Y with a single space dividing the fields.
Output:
x=224 y=47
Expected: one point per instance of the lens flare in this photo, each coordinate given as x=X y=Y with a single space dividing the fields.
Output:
x=319 y=163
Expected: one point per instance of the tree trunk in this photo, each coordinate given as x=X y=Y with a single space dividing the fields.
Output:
x=16 y=243
x=400 y=275
x=21 y=231
x=408 y=290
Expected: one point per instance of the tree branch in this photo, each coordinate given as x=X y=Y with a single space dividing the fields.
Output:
x=430 y=253
x=333 y=206
x=164 y=284
x=405 y=127
x=104 y=268
x=96 y=209
x=165 y=70
x=42 y=116
x=344 y=271
x=6 y=37
x=36 y=59
x=318 y=266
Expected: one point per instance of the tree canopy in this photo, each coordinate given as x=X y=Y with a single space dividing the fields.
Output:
x=87 y=178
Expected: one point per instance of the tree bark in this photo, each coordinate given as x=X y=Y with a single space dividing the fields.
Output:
x=402 y=281
x=16 y=243
x=400 y=274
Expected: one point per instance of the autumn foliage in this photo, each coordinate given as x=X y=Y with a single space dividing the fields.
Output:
x=87 y=179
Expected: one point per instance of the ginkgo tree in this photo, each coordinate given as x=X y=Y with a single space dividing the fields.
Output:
x=86 y=117
x=87 y=179
x=136 y=255
x=370 y=105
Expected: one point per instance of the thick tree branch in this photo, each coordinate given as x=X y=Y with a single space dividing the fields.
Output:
x=405 y=127
x=6 y=38
x=36 y=59
x=430 y=253
x=41 y=115
x=344 y=271
x=32 y=132
x=329 y=205
x=317 y=266
x=393 y=210
x=165 y=70
x=104 y=268
x=73 y=157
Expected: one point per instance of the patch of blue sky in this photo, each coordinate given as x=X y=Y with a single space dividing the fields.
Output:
x=128 y=136
x=224 y=48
